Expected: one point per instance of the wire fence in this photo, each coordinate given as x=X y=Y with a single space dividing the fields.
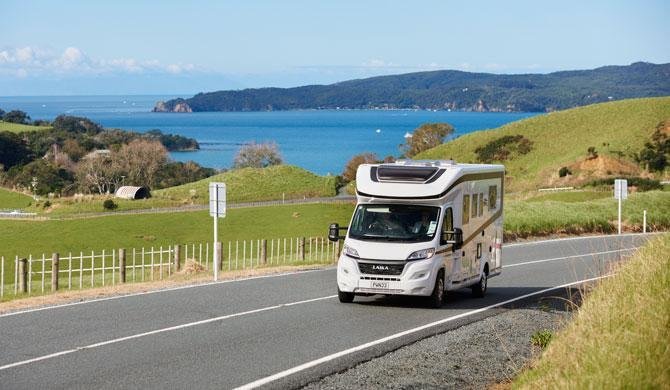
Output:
x=37 y=275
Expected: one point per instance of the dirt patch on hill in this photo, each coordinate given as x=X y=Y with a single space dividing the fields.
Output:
x=587 y=169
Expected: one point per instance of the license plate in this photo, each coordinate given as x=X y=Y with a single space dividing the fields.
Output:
x=384 y=285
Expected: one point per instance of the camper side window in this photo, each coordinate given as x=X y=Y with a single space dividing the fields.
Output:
x=447 y=227
x=481 y=204
x=493 y=197
x=474 y=205
x=466 y=209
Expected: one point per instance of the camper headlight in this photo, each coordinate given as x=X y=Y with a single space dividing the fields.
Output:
x=351 y=252
x=422 y=254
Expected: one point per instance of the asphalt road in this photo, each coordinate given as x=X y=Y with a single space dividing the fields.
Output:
x=288 y=329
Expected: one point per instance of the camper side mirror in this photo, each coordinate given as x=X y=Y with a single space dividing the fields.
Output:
x=454 y=237
x=334 y=232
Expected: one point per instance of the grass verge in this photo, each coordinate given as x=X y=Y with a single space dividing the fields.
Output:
x=620 y=337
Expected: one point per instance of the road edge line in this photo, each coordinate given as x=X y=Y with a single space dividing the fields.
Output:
x=328 y=358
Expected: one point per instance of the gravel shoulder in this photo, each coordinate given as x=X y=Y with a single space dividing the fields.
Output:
x=478 y=355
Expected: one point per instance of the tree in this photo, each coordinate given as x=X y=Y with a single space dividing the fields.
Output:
x=98 y=173
x=257 y=155
x=141 y=160
x=13 y=151
x=16 y=116
x=2 y=112
x=49 y=177
x=75 y=124
x=427 y=136
x=350 y=169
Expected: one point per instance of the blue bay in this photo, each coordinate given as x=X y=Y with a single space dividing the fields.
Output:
x=321 y=141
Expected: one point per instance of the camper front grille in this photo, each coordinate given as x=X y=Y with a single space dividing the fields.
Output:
x=381 y=269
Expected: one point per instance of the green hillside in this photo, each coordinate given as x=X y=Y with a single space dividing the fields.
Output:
x=257 y=184
x=615 y=129
x=19 y=128
x=13 y=200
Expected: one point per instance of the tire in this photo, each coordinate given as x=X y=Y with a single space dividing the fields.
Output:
x=345 y=297
x=437 y=297
x=479 y=289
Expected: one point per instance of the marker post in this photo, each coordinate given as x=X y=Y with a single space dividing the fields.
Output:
x=620 y=193
x=217 y=209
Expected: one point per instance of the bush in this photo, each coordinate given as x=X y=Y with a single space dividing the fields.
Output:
x=593 y=153
x=46 y=204
x=564 y=171
x=642 y=183
x=541 y=338
x=16 y=116
x=109 y=204
x=504 y=148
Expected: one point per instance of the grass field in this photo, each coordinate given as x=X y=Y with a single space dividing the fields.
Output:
x=619 y=338
x=255 y=184
x=535 y=217
x=18 y=128
x=562 y=138
x=13 y=200
x=243 y=185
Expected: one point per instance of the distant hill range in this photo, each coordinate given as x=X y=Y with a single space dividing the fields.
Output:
x=447 y=90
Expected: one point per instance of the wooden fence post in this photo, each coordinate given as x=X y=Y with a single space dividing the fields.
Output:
x=23 y=275
x=219 y=254
x=55 y=260
x=336 y=254
x=176 y=259
x=301 y=249
x=264 y=252
x=122 y=265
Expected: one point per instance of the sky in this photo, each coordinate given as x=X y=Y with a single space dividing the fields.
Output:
x=184 y=47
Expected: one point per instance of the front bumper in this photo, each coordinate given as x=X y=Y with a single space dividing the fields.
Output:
x=417 y=278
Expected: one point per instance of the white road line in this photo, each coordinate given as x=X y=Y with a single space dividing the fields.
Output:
x=570 y=257
x=228 y=316
x=163 y=330
x=313 y=363
x=206 y=284
x=271 y=276
x=581 y=238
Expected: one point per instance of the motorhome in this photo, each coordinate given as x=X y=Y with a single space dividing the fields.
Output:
x=422 y=228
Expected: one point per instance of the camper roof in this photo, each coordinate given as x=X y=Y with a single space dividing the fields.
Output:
x=419 y=179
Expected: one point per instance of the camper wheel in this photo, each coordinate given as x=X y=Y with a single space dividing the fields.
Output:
x=437 y=297
x=479 y=289
x=345 y=297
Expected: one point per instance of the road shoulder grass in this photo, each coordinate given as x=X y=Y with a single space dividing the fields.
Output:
x=621 y=334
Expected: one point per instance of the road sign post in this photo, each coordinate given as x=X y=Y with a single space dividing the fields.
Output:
x=620 y=193
x=217 y=209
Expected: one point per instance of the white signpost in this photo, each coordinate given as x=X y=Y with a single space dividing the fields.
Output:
x=217 y=209
x=620 y=193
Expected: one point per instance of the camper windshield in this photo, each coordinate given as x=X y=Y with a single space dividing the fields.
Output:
x=404 y=223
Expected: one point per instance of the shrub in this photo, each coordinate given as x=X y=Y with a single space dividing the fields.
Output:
x=593 y=153
x=541 y=338
x=47 y=204
x=109 y=204
x=642 y=183
x=564 y=171
x=504 y=148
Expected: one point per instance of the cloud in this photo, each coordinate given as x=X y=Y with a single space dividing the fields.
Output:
x=33 y=61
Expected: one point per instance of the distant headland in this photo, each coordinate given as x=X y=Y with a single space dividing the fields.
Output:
x=446 y=90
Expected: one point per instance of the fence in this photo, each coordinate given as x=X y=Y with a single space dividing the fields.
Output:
x=30 y=275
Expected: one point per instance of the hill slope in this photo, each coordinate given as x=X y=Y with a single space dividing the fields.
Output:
x=257 y=184
x=447 y=89
x=562 y=139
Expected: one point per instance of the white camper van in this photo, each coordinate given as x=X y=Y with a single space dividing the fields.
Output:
x=422 y=228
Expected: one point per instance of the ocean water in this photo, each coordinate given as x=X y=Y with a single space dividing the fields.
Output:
x=321 y=141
